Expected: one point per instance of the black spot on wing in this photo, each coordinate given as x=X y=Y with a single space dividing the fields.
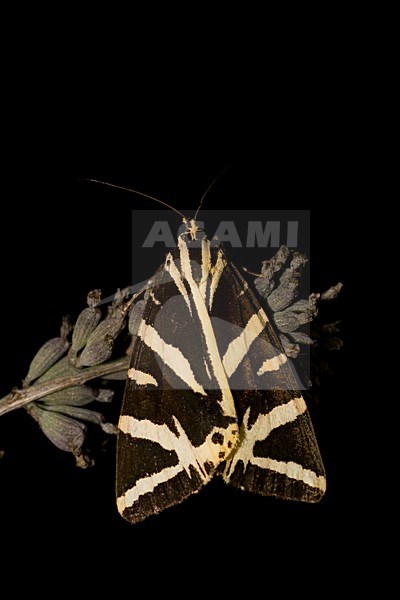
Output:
x=209 y=467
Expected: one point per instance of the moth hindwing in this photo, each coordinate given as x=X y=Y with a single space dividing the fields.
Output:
x=210 y=391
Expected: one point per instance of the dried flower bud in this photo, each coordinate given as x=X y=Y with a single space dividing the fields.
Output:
x=104 y=395
x=100 y=344
x=84 y=414
x=270 y=267
x=264 y=286
x=135 y=316
x=62 y=368
x=332 y=293
x=301 y=338
x=65 y=433
x=83 y=461
x=66 y=327
x=266 y=283
x=119 y=298
x=291 y=350
x=331 y=328
x=93 y=298
x=122 y=301
x=111 y=326
x=84 y=327
x=280 y=298
x=45 y=358
x=286 y=321
x=298 y=261
x=300 y=306
x=77 y=395
x=96 y=352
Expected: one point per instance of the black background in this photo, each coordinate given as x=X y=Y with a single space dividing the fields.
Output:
x=62 y=236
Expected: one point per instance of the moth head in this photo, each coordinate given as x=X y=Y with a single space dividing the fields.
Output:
x=192 y=229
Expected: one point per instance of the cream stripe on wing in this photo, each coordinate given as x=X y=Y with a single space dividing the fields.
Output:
x=239 y=347
x=216 y=276
x=172 y=269
x=280 y=415
x=141 y=378
x=146 y=485
x=227 y=402
x=170 y=355
x=205 y=267
x=187 y=454
x=291 y=470
x=272 y=364
x=162 y=434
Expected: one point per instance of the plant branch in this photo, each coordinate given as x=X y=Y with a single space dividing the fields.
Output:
x=18 y=398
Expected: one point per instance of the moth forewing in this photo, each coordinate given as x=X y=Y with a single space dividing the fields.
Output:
x=278 y=453
x=178 y=421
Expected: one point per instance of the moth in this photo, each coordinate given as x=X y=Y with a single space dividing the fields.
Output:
x=210 y=392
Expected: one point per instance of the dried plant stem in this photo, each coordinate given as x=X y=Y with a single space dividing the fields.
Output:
x=18 y=398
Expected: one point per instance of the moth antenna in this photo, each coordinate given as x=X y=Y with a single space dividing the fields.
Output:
x=126 y=189
x=209 y=188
